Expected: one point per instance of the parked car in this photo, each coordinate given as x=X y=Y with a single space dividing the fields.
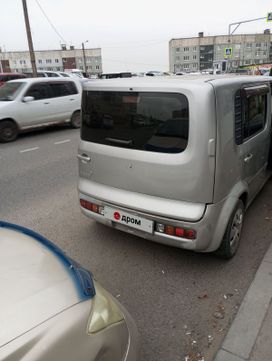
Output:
x=4 y=77
x=43 y=74
x=183 y=159
x=26 y=104
x=53 y=309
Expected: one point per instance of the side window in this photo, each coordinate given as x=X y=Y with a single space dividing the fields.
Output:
x=61 y=89
x=250 y=106
x=39 y=91
x=255 y=115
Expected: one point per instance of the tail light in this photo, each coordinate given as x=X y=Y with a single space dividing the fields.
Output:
x=170 y=230
x=95 y=208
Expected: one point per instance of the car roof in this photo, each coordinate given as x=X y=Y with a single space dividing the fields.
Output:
x=37 y=281
x=1 y=74
x=171 y=81
x=42 y=80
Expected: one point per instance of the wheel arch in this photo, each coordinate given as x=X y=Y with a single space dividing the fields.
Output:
x=238 y=192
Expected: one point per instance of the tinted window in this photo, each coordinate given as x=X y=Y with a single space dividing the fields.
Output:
x=250 y=115
x=39 y=91
x=255 y=115
x=157 y=122
x=61 y=89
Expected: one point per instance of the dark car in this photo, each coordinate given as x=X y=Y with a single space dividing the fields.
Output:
x=10 y=76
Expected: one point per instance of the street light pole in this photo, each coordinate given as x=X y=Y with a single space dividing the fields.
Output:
x=238 y=23
x=29 y=39
x=84 y=56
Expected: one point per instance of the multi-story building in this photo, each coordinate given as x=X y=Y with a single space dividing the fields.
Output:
x=203 y=52
x=55 y=60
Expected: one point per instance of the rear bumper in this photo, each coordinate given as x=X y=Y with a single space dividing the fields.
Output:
x=205 y=227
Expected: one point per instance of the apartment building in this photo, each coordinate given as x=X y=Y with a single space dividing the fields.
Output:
x=205 y=52
x=55 y=60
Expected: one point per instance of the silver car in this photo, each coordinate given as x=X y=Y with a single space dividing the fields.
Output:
x=27 y=104
x=176 y=160
x=53 y=309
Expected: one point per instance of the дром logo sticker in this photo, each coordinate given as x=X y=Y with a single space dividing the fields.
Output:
x=116 y=216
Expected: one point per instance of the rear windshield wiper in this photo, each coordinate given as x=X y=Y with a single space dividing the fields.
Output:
x=120 y=141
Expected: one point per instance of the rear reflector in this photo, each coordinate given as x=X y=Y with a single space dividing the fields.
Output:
x=176 y=231
x=92 y=206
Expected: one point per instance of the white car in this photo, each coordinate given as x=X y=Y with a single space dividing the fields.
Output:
x=31 y=103
x=51 y=308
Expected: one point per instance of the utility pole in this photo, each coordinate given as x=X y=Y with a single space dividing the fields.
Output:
x=84 y=56
x=29 y=39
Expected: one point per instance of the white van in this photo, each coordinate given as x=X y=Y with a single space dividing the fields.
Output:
x=26 y=104
x=175 y=160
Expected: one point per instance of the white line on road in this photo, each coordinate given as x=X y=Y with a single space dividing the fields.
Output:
x=63 y=141
x=29 y=149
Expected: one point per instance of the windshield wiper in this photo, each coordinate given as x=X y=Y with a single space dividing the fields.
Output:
x=120 y=141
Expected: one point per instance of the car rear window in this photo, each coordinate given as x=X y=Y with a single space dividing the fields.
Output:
x=150 y=121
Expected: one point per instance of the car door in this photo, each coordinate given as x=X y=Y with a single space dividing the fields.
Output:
x=37 y=111
x=65 y=99
x=256 y=135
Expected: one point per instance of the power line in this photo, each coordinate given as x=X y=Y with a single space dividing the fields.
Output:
x=50 y=22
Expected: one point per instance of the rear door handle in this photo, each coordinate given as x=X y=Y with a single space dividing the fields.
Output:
x=72 y=99
x=248 y=158
x=46 y=103
x=84 y=158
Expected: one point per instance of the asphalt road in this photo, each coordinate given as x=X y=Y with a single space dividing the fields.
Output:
x=182 y=302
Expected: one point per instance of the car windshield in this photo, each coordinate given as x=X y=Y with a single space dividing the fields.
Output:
x=9 y=91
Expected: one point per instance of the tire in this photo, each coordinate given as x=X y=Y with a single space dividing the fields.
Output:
x=232 y=236
x=75 y=120
x=8 y=131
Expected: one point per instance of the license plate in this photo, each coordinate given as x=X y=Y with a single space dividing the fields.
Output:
x=128 y=219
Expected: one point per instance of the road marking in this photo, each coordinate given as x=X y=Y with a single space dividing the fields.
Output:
x=63 y=141
x=29 y=149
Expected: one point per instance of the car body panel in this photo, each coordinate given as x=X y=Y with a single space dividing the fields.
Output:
x=47 y=303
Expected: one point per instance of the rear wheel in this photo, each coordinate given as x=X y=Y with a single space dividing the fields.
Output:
x=75 y=120
x=231 y=239
x=8 y=131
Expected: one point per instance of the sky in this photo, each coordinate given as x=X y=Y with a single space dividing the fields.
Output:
x=133 y=35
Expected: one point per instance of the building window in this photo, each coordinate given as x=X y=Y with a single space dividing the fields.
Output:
x=194 y=57
x=218 y=47
x=22 y=62
x=258 y=45
x=80 y=60
x=186 y=57
x=97 y=67
x=248 y=45
x=48 y=61
x=186 y=66
x=186 y=48
x=247 y=62
x=40 y=61
x=177 y=50
x=194 y=49
x=56 y=60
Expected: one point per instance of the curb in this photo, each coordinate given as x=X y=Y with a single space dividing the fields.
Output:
x=242 y=335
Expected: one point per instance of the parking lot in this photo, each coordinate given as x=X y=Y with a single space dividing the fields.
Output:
x=182 y=302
